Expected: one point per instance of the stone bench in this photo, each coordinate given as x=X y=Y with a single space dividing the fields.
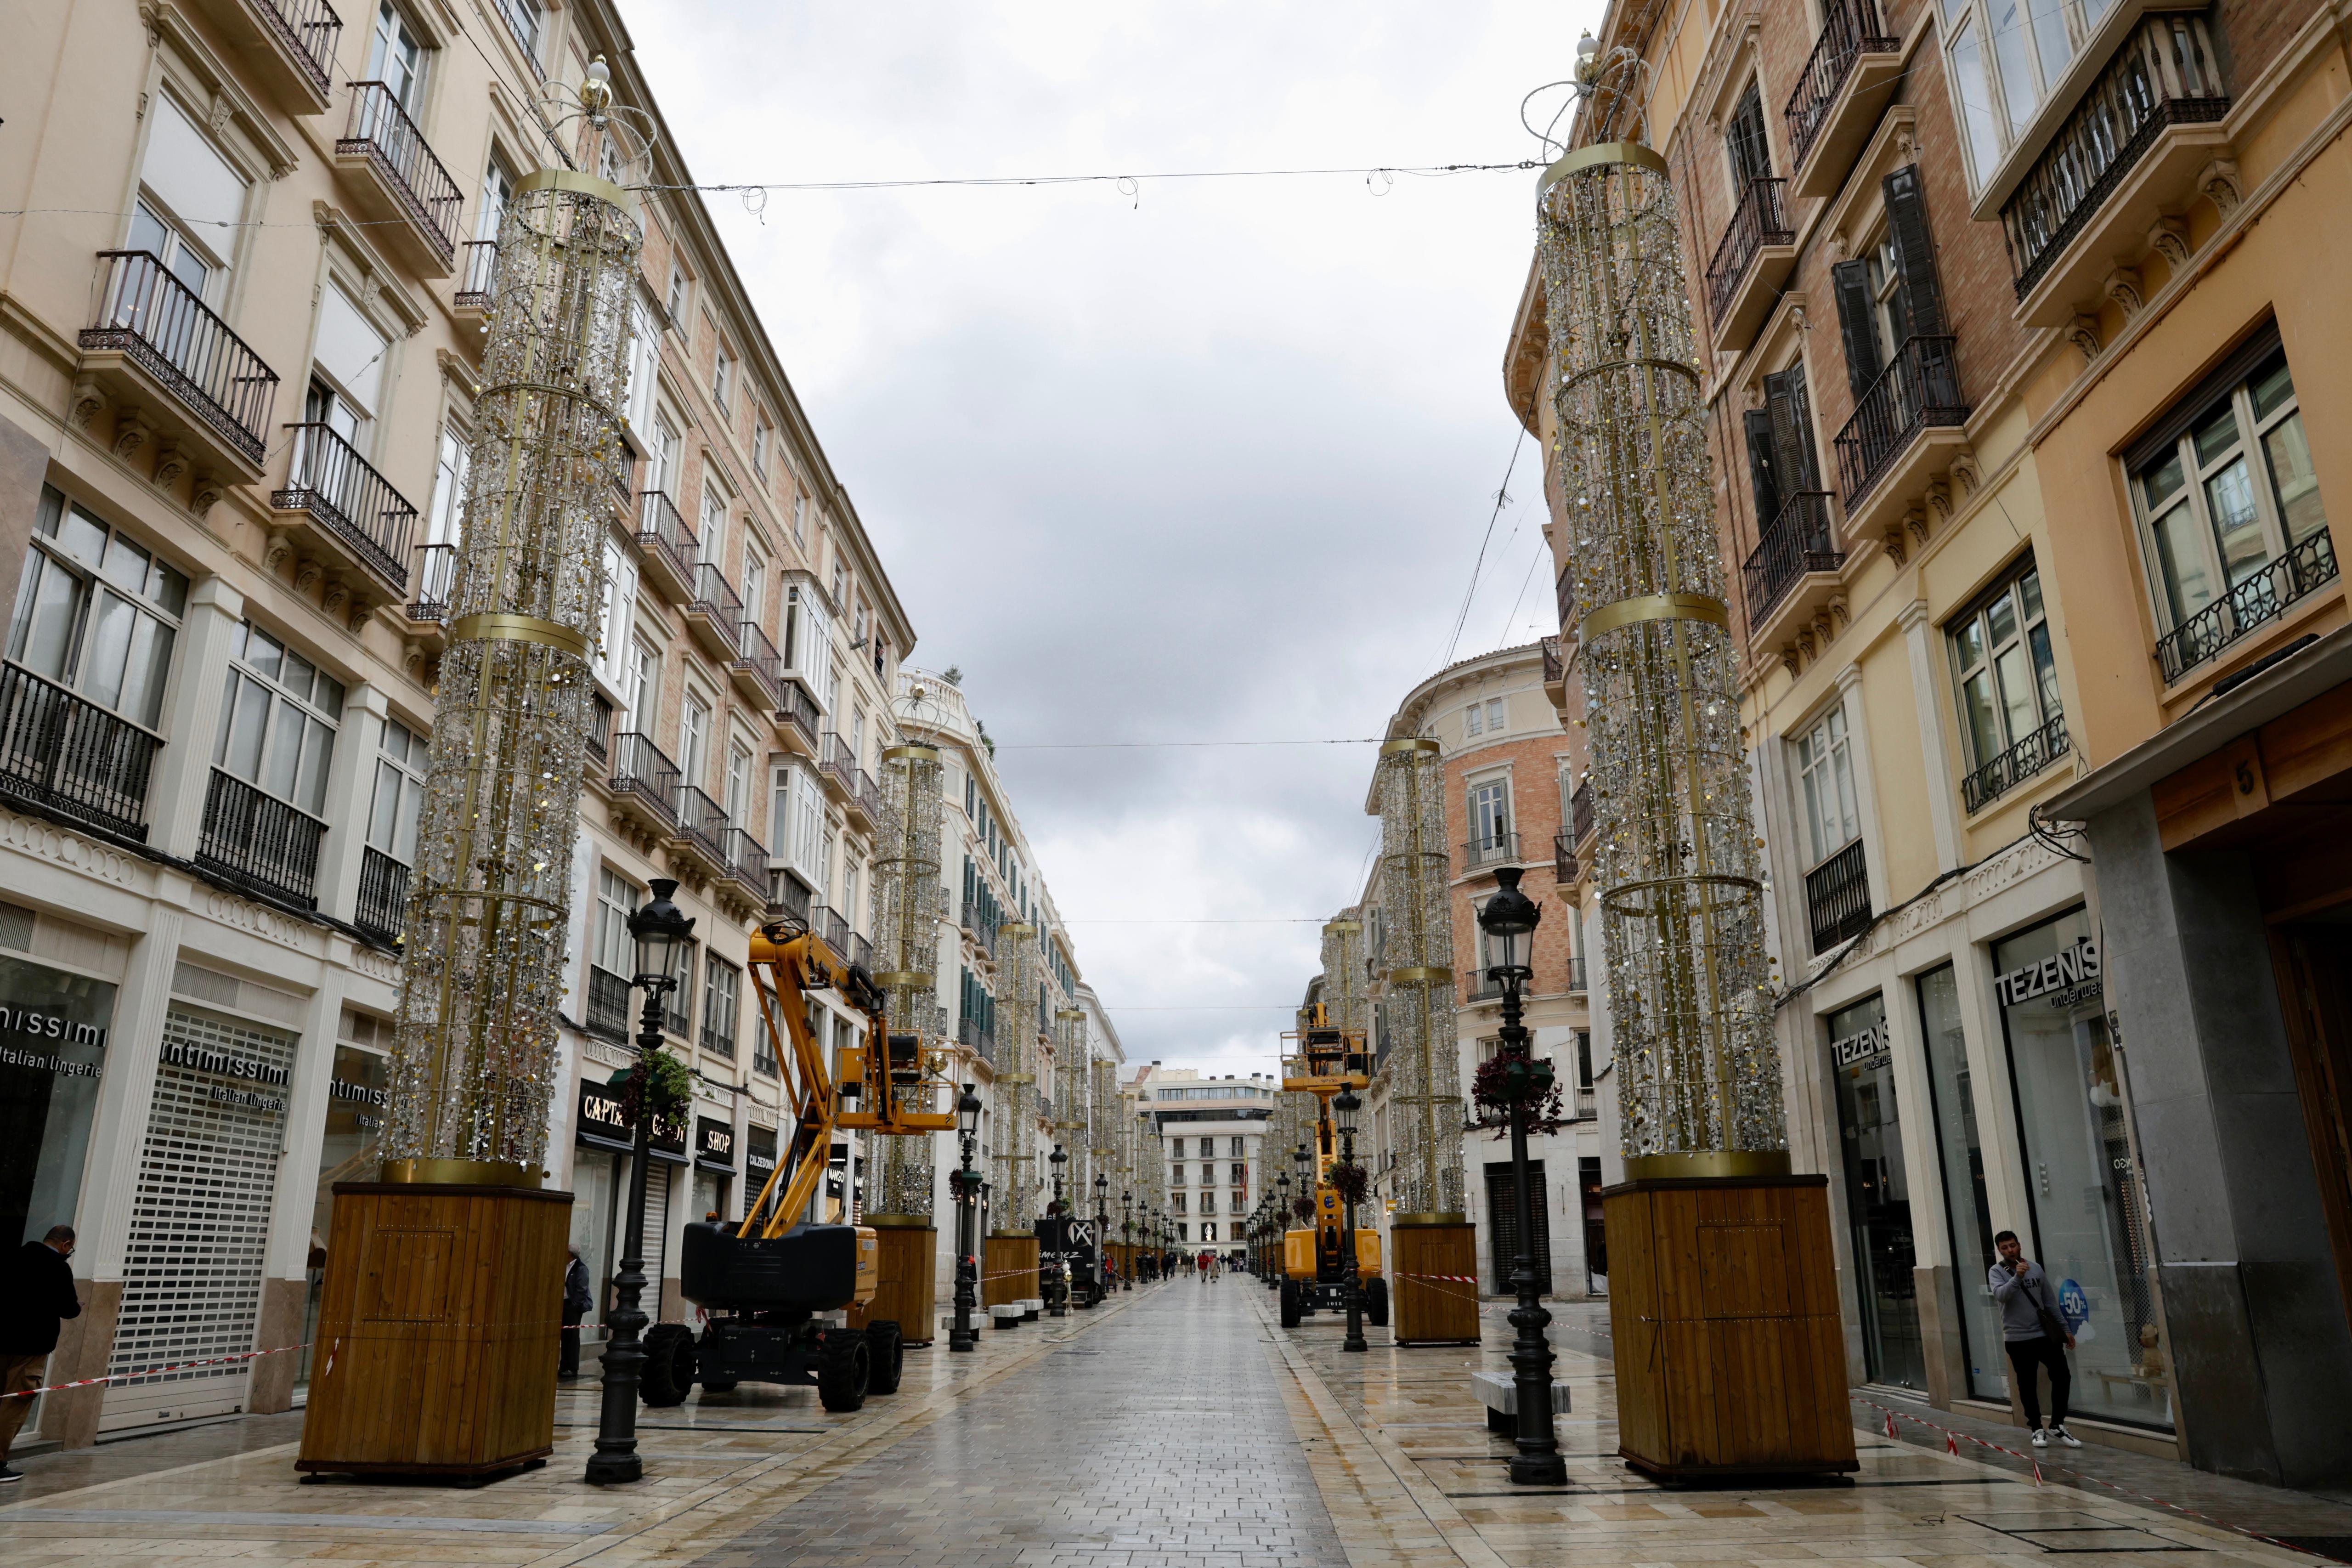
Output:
x=1004 y=1315
x=1500 y=1394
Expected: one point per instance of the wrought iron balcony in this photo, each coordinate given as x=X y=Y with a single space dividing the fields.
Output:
x=165 y=336
x=2036 y=752
x=1576 y=972
x=343 y=493
x=608 y=1004
x=384 y=895
x=838 y=765
x=718 y=1036
x=2263 y=597
x=477 y=278
x=715 y=613
x=1579 y=810
x=1850 y=29
x=69 y=756
x=837 y=932
x=702 y=829
x=289 y=44
x=670 y=545
x=861 y=952
x=758 y=668
x=436 y=573
x=2166 y=74
x=1797 y=543
x=1555 y=668
x=259 y=842
x=799 y=716
x=1478 y=986
x=410 y=178
x=1920 y=388
x=522 y=17
x=787 y=899
x=1498 y=848
x=1563 y=597
x=644 y=779
x=1564 y=867
x=747 y=858
x=600 y=732
x=973 y=1037
x=1759 y=223
x=1837 y=896
x=867 y=797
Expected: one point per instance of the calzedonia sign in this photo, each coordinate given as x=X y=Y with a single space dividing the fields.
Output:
x=2066 y=978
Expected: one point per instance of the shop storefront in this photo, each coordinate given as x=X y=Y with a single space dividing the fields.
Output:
x=357 y=1093
x=714 y=1168
x=600 y=1190
x=1877 y=1194
x=2089 y=1214
x=53 y=1032
x=759 y=1163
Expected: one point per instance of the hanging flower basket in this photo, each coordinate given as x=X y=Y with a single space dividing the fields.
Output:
x=660 y=1076
x=1513 y=1078
x=1351 y=1180
x=1304 y=1208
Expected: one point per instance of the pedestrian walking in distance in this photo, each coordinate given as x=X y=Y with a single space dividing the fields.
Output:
x=2034 y=1335
x=37 y=1295
x=576 y=1302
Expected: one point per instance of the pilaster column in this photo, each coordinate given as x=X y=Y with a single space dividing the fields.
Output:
x=1866 y=787
x=285 y=1271
x=1943 y=813
x=182 y=774
x=351 y=786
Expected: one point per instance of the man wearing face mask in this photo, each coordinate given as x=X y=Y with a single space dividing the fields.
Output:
x=2035 y=1337
x=35 y=1294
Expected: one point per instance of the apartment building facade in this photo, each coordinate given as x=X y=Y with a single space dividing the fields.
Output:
x=243 y=309
x=1210 y=1134
x=2019 y=418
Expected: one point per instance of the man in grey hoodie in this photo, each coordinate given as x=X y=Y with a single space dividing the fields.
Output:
x=2034 y=1335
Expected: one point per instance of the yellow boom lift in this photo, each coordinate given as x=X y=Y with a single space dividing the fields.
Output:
x=765 y=1282
x=1325 y=1060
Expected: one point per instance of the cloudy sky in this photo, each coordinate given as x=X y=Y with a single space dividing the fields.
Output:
x=1208 y=461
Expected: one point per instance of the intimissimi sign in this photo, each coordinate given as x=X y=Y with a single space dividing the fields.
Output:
x=39 y=1024
x=201 y=1058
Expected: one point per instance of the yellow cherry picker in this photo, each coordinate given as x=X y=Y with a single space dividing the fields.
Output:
x=1324 y=1062
x=766 y=1282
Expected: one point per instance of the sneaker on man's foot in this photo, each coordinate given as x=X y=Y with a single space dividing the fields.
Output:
x=2065 y=1437
x=2040 y=1439
x=7 y=1474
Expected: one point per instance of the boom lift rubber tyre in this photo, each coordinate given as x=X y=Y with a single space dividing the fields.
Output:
x=668 y=1374
x=843 y=1368
x=887 y=1354
x=1376 y=1303
x=1289 y=1303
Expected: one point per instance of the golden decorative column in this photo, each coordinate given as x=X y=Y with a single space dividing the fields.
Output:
x=1011 y=1253
x=439 y=1323
x=1719 y=1258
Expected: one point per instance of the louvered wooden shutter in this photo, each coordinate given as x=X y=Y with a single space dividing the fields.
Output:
x=1759 y=425
x=1915 y=251
x=1850 y=284
x=1790 y=407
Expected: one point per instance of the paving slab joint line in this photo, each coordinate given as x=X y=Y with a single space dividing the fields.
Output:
x=1459 y=1537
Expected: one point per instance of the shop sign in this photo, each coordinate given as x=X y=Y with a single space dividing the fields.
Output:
x=2066 y=978
x=714 y=1143
x=203 y=1058
x=603 y=1123
x=760 y=1151
x=363 y=1098
x=1867 y=1048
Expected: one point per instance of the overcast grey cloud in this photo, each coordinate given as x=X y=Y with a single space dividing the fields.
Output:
x=1209 y=460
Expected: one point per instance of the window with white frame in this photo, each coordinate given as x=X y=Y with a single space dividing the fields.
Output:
x=1490 y=814
x=2225 y=489
x=2002 y=661
x=2005 y=56
x=1474 y=719
x=800 y=519
x=444 y=520
x=755 y=575
x=762 y=438
x=497 y=190
x=396 y=57
x=721 y=988
x=722 y=377
x=97 y=613
x=277 y=723
x=1825 y=786
x=399 y=793
x=190 y=198
x=641 y=691
x=645 y=361
x=714 y=519
x=611 y=948
x=739 y=783
x=693 y=740
x=673 y=302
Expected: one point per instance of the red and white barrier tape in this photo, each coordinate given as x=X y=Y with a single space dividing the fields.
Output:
x=1952 y=1445
x=148 y=1372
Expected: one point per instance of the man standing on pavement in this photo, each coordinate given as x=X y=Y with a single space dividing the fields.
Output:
x=2035 y=1337
x=35 y=1294
x=576 y=1302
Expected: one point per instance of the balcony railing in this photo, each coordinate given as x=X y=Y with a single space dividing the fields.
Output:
x=436 y=573
x=1555 y=669
x=1588 y=1107
x=72 y=757
x=969 y=1034
x=839 y=761
x=1477 y=986
x=2263 y=597
x=309 y=29
x=1921 y=387
x=861 y=952
x=258 y=841
x=868 y=795
x=477 y=274
x=837 y=932
x=761 y=658
x=747 y=858
x=522 y=17
x=1760 y=220
x=799 y=710
x=608 y=1004
x=1576 y=972
x=715 y=598
x=152 y=319
x=384 y=895
x=1563 y=597
x=1498 y=848
x=661 y=530
x=600 y=731
x=381 y=129
x=700 y=820
x=787 y=898
x=2015 y=765
x=1579 y=810
x=1850 y=29
x=1837 y=896
x=1797 y=542
x=334 y=484
x=982 y=926
x=2165 y=74
x=639 y=769
x=1564 y=868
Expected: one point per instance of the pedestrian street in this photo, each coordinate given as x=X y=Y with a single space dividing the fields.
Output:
x=1176 y=1425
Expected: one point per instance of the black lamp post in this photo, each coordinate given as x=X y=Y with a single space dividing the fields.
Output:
x=1281 y=1229
x=1102 y=1233
x=961 y=1337
x=1126 y=1239
x=659 y=926
x=1058 y=1287
x=1510 y=921
x=1346 y=1103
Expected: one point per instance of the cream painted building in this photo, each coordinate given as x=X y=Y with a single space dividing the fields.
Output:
x=1211 y=1134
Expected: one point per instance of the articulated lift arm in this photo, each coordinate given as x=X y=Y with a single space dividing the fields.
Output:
x=890 y=1077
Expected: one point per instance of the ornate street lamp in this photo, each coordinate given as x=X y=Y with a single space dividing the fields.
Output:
x=1058 y=1288
x=1509 y=921
x=659 y=928
x=1346 y=1103
x=1126 y=1239
x=1281 y=1226
x=961 y=1337
x=1102 y=1233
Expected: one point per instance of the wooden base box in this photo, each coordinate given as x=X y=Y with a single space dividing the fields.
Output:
x=1723 y=1307
x=439 y=1330
x=1008 y=1269
x=1434 y=1283
x=909 y=1262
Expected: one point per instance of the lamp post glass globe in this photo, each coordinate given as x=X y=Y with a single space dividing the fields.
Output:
x=659 y=928
x=1509 y=919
